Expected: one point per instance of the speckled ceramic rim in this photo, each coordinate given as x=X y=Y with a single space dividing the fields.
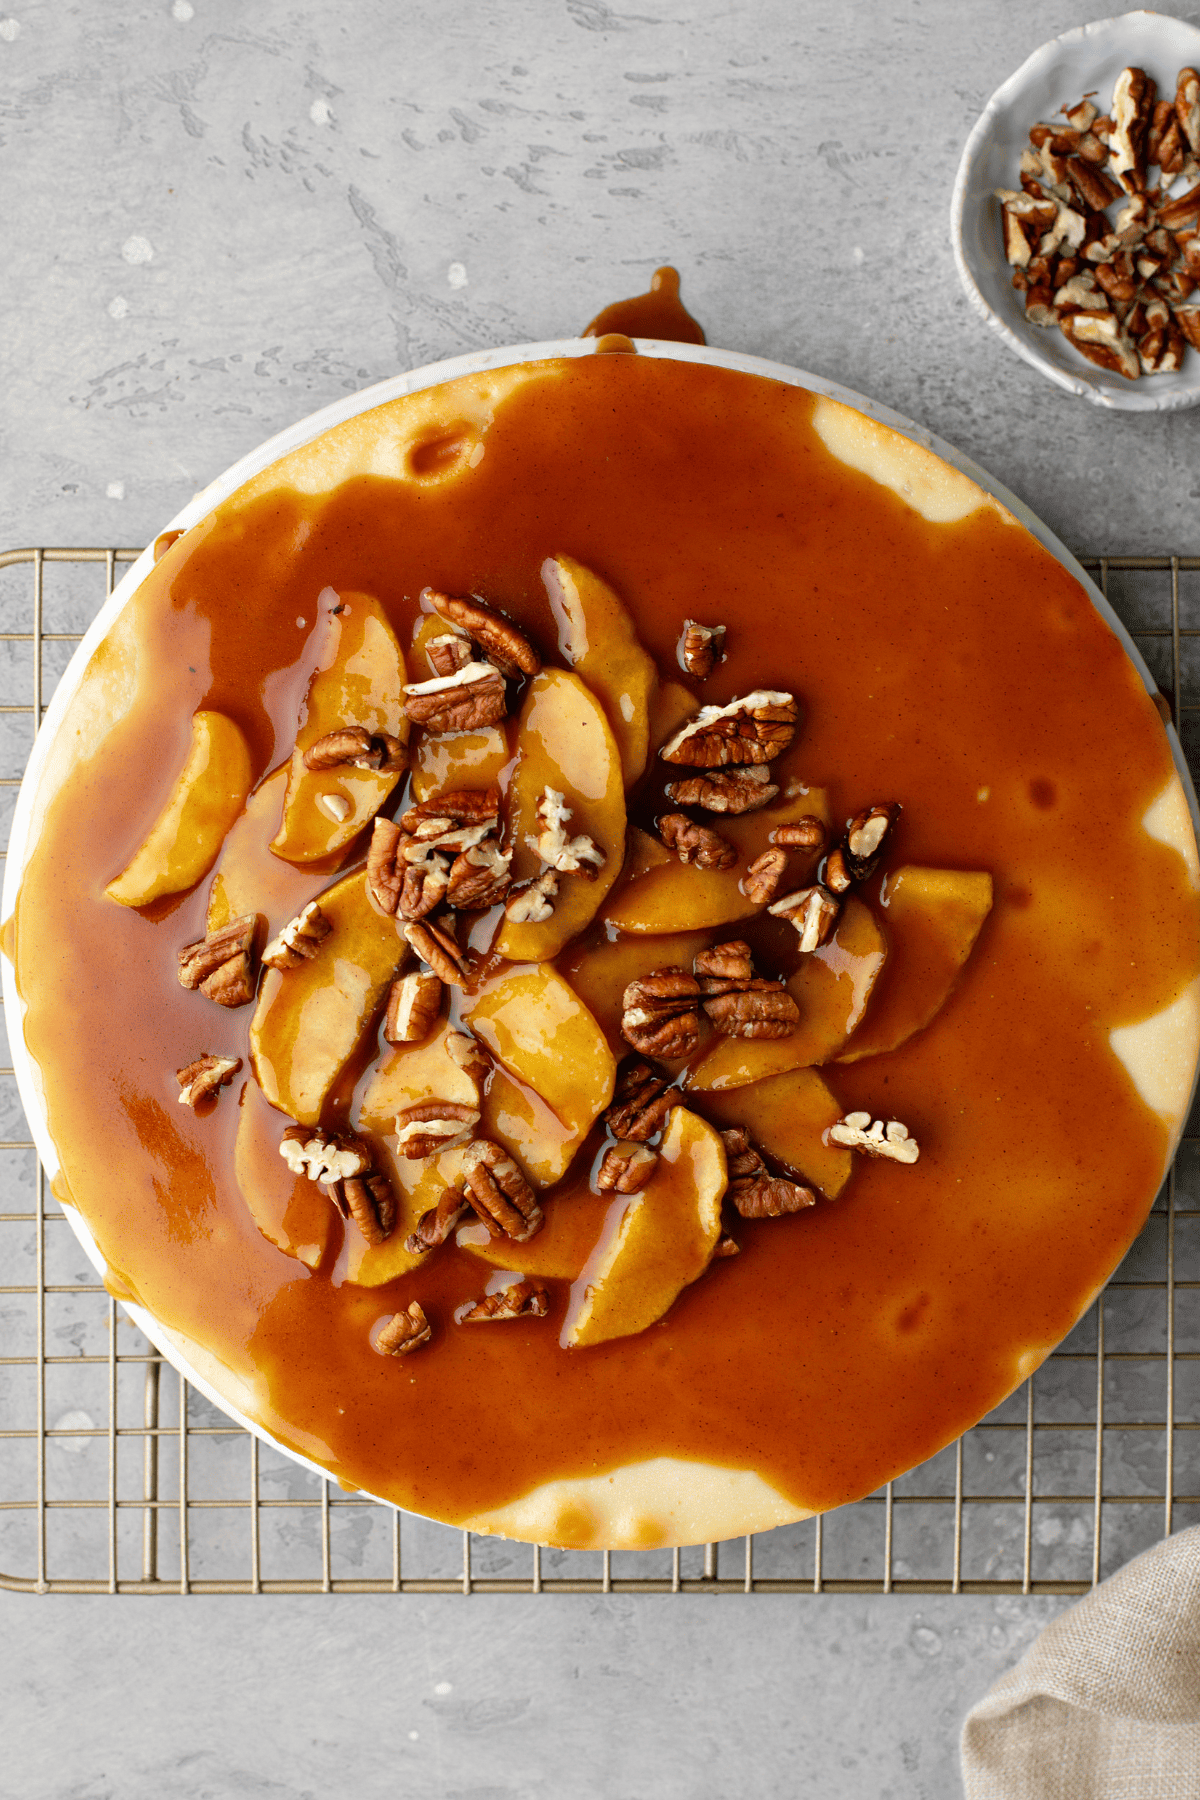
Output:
x=1086 y=45
x=433 y=375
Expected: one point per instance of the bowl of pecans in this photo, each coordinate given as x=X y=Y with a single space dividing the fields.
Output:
x=1076 y=212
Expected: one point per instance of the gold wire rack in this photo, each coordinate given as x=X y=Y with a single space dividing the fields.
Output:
x=117 y=1477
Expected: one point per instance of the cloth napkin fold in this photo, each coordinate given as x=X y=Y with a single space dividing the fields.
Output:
x=1106 y=1702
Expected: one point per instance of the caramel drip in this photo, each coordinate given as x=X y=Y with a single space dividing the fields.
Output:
x=658 y=314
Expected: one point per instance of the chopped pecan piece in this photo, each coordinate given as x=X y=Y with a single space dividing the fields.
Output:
x=1182 y=211
x=535 y=901
x=466 y=701
x=385 y=870
x=699 y=648
x=726 y=1246
x=838 y=878
x=857 y=1131
x=449 y=653
x=404 y=1332
x=325 y=1156
x=572 y=856
x=660 y=1015
x=498 y=1191
x=813 y=911
x=807 y=833
x=370 y=1202
x=754 y=1191
x=761 y=881
x=353 y=747
x=754 y=729
x=435 y=945
x=424 y=886
x=737 y=790
x=221 y=965
x=1094 y=186
x=626 y=1168
x=335 y=807
x=507 y=647
x=523 y=1300
x=696 y=843
x=470 y=1055
x=433 y=1126
x=1101 y=338
x=640 y=1103
x=414 y=1002
x=299 y=940
x=865 y=837
x=205 y=1077
x=1133 y=108
x=1187 y=107
x=479 y=877
x=737 y=1002
x=435 y=1226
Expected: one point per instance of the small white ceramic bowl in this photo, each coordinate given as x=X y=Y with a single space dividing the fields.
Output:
x=1081 y=61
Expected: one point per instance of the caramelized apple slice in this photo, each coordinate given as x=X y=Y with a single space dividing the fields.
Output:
x=600 y=973
x=596 y=636
x=309 y=1021
x=185 y=840
x=564 y=743
x=445 y=761
x=359 y=680
x=290 y=1210
x=933 y=919
x=518 y=1118
x=248 y=878
x=539 y=1030
x=675 y=896
x=787 y=1118
x=654 y=1243
x=670 y=707
x=831 y=987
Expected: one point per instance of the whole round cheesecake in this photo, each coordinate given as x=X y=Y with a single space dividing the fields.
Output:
x=609 y=948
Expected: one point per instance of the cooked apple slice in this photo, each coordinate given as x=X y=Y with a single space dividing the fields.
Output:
x=787 y=1118
x=539 y=1030
x=831 y=987
x=443 y=762
x=248 y=878
x=359 y=680
x=933 y=919
x=564 y=743
x=309 y=1021
x=185 y=840
x=601 y=972
x=671 y=706
x=520 y=1120
x=675 y=896
x=596 y=636
x=654 y=1243
x=290 y=1210
x=411 y=1074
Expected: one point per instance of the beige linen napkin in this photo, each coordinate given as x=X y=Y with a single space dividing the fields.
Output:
x=1106 y=1702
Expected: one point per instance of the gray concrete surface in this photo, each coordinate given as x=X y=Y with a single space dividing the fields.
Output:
x=218 y=217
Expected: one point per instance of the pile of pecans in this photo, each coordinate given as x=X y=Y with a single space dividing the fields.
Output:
x=1116 y=287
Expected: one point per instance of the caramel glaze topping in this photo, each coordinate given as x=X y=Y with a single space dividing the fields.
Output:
x=841 y=1345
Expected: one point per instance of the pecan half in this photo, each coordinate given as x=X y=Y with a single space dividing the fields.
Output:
x=470 y=1055
x=432 y=821
x=640 y=1103
x=699 y=647
x=370 y=1202
x=299 y=940
x=414 y=1002
x=866 y=836
x=498 y=1191
x=433 y=1126
x=424 y=886
x=807 y=833
x=857 y=1131
x=754 y=1191
x=736 y=790
x=696 y=843
x=660 y=1013
x=507 y=647
x=325 y=1156
x=737 y=1002
x=479 y=877
x=466 y=701
x=535 y=901
x=353 y=747
x=813 y=911
x=404 y=1332
x=435 y=945
x=523 y=1300
x=626 y=1169
x=206 y=1076
x=435 y=1226
x=221 y=965
x=385 y=870
x=761 y=881
x=571 y=856
x=754 y=729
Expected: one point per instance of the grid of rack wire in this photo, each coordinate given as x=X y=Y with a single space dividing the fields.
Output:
x=117 y=1477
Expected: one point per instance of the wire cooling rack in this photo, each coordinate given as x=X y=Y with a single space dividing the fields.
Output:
x=117 y=1477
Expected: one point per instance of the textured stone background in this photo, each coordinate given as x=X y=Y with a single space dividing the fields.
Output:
x=219 y=216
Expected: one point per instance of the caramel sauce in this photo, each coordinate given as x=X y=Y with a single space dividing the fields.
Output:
x=844 y=1344
x=658 y=314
